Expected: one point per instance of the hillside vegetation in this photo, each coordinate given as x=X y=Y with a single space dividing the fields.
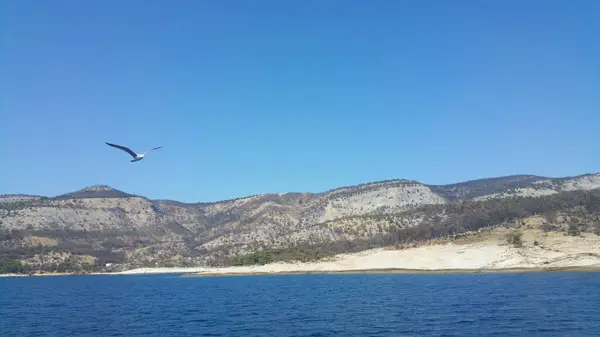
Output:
x=100 y=228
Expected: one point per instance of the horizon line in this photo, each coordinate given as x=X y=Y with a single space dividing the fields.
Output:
x=292 y=192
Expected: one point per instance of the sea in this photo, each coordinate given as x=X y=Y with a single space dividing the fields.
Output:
x=394 y=305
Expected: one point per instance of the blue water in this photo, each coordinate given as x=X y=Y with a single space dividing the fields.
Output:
x=544 y=304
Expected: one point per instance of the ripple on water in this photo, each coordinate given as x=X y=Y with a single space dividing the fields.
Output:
x=549 y=304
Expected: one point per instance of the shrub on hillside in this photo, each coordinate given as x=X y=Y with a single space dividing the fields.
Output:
x=10 y=266
x=573 y=229
x=515 y=238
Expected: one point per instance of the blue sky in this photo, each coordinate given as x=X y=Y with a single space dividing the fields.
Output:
x=273 y=96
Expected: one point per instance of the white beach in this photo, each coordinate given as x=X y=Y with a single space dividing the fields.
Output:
x=489 y=252
x=554 y=250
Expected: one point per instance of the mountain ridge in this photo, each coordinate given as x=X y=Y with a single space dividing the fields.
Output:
x=88 y=191
x=105 y=225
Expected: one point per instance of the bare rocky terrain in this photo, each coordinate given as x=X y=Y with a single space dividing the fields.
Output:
x=100 y=227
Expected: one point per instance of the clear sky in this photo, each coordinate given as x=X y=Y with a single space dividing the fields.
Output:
x=259 y=96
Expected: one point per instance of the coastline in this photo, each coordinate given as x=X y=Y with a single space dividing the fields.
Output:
x=594 y=268
x=409 y=271
x=137 y=271
x=489 y=253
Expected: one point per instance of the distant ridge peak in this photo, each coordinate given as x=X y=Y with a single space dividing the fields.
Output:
x=97 y=188
x=96 y=191
x=459 y=190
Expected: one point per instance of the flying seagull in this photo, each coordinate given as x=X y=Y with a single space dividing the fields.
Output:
x=136 y=156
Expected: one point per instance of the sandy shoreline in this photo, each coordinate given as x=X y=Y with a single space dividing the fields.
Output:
x=541 y=252
x=408 y=271
x=138 y=271
x=595 y=268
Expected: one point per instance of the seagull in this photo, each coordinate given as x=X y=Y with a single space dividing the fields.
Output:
x=136 y=156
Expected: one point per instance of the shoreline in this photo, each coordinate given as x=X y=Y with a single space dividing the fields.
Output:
x=135 y=271
x=407 y=271
x=387 y=271
x=539 y=252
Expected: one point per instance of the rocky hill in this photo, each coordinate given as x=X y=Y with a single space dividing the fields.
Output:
x=87 y=229
x=17 y=197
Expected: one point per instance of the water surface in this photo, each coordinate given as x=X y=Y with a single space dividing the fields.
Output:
x=532 y=304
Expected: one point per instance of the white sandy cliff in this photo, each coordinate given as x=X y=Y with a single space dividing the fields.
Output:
x=553 y=250
x=480 y=252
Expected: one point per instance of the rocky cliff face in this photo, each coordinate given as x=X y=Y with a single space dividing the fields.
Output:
x=104 y=224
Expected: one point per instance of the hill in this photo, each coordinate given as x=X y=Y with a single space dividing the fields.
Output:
x=86 y=230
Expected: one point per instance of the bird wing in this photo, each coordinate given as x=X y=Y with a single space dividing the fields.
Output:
x=126 y=149
x=152 y=149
